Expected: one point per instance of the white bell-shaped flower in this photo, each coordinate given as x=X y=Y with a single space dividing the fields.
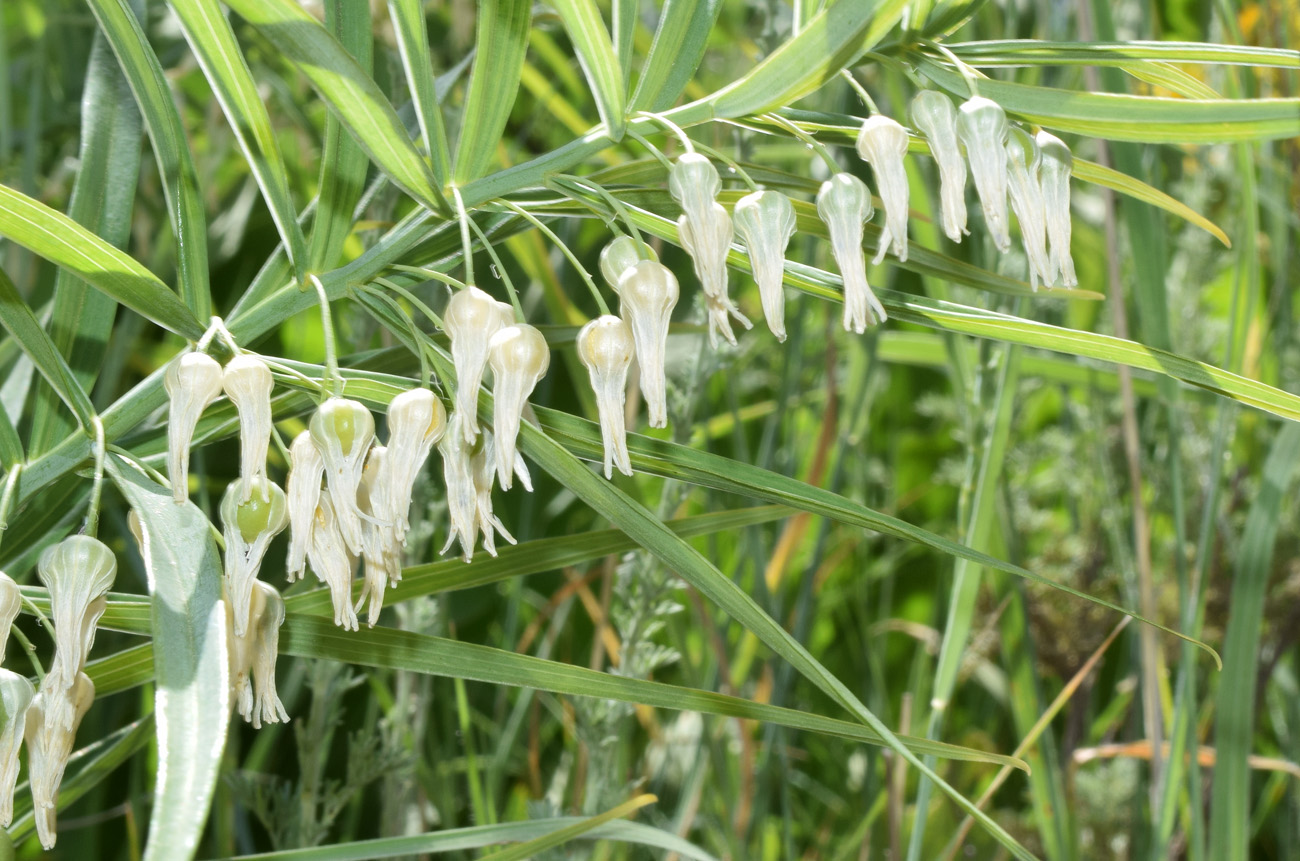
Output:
x=342 y=430
x=192 y=382
x=248 y=528
x=982 y=128
x=765 y=221
x=707 y=238
x=1023 y=160
x=468 y=473
x=248 y=383
x=306 y=471
x=694 y=183
x=882 y=142
x=382 y=550
x=605 y=348
x=622 y=254
x=253 y=657
x=49 y=745
x=1054 y=174
x=934 y=115
x=519 y=358
x=11 y=602
x=647 y=294
x=78 y=572
x=330 y=560
x=471 y=318
x=15 y=696
x=844 y=203
x=416 y=421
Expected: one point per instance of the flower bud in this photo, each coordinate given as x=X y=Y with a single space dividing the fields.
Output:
x=253 y=656
x=192 y=382
x=935 y=116
x=78 y=572
x=982 y=128
x=328 y=554
x=765 y=220
x=49 y=745
x=15 y=696
x=11 y=602
x=519 y=358
x=471 y=318
x=382 y=550
x=605 y=348
x=342 y=430
x=416 y=421
x=1055 y=177
x=306 y=470
x=468 y=472
x=694 y=183
x=248 y=383
x=707 y=238
x=882 y=142
x=620 y=255
x=845 y=204
x=647 y=295
x=1023 y=159
x=248 y=530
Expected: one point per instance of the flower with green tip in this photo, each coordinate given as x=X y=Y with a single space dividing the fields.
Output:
x=705 y=231
x=248 y=528
x=620 y=255
x=416 y=421
x=343 y=430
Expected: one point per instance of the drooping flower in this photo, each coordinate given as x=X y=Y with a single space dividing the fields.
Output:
x=49 y=745
x=78 y=572
x=605 y=347
x=11 y=602
x=471 y=318
x=705 y=231
x=468 y=472
x=844 y=203
x=416 y=421
x=1023 y=160
x=15 y=696
x=1055 y=172
x=935 y=116
x=519 y=358
x=647 y=294
x=982 y=128
x=253 y=657
x=192 y=382
x=621 y=254
x=765 y=220
x=248 y=528
x=248 y=383
x=382 y=549
x=882 y=142
x=306 y=471
x=330 y=560
x=342 y=430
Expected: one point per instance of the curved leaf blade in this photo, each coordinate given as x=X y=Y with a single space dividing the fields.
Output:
x=417 y=60
x=493 y=83
x=596 y=55
x=675 y=53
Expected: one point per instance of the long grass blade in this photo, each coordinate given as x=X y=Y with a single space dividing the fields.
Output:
x=596 y=55
x=675 y=53
x=493 y=84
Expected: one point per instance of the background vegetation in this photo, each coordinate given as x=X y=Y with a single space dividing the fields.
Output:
x=1134 y=440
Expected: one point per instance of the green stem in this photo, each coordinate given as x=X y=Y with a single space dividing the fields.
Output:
x=613 y=201
x=731 y=163
x=652 y=149
x=97 y=487
x=412 y=298
x=860 y=90
x=670 y=126
x=464 y=235
x=501 y=271
x=30 y=649
x=332 y=374
x=564 y=249
x=433 y=275
x=968 y=74
x=818 y=146
x=414 y=330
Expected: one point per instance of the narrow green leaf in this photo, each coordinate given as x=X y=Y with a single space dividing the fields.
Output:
x=103 y=196
x=343 y=163
x=122 y=670
x=170 y=147
x=213 y=42
x=675 y=53
x=479 y=836
x=388 y=648
x=350 y=93
x=498 y=63
x=24 y=328
x=65 y=243
x=544 y=843
x=192 y=699
x=1025 y=52
x=1144 y=119
x=833 y=40
x=595 y=51
x=1234 y=723
x=417 y=60
x=623 y=28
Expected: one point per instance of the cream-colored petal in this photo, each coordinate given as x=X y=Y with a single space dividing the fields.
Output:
x=707 y=239
x=982 y=128
x=332 y=563
x=519 y=358
x=416 y=421
x=11 y=602
x=471 y=318
x=934 y=115
x=49 y=745
x=192 y=382
x=248 y=383
x=343 y=430
x=16 y=695
x=605 y=348
x=648 y=293
x=78 y=572
x=844 y=203
x=1054 y=175
x=765 y=221
x=1026 y=195
x=882 y=142
x=306 y=471
x=622 y=254
x=248 y=528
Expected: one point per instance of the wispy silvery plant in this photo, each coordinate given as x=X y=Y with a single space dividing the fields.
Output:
x=882 y=143
x=765 y=221
x=934 y=115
